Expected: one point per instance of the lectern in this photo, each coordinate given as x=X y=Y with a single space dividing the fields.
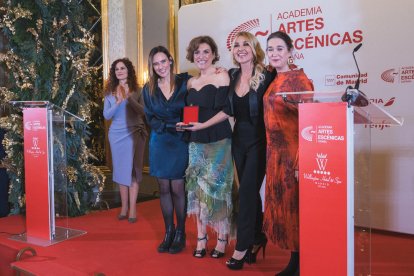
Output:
x=45 y=167
x=334 y=180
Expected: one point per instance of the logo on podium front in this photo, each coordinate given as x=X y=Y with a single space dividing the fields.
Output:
x=321 y=176
x=35 y=141
x=322 y=160
x=35 y=149
x=322 y=134
x=308 y=133
x=34 y=125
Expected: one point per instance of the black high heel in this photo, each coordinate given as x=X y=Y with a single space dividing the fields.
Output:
x=234 y=264
x=218 y=254
x=262 y=245
x=200 y=253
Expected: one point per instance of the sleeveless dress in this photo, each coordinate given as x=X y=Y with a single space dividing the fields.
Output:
x=281 y=215
x=127 y=135
x=210 y=171
x=168 y=152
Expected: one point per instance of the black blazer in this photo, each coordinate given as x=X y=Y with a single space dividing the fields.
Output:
x=255 y=97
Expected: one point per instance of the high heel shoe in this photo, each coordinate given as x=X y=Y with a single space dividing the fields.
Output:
x=235 y=264
x=201 y=253
x=216 y=253
x=262 y=245
x=122 y=217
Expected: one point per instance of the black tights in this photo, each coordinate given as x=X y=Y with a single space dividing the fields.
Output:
x=172 y=196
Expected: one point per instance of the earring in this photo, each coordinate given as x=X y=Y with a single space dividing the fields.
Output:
x=290 y=60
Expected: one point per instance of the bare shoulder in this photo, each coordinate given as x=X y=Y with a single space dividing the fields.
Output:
x=190 y=82
x=223 y=78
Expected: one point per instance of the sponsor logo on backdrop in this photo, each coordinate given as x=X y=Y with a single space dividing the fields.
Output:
x=247 y=26
x=403 y=74
x=321 y=176
x=389 y=75
x=321 y=134
x=308 y=22
x=382 y=103
x=34 y=126
x=306 y=26
x=345 y=79
x=380 y=125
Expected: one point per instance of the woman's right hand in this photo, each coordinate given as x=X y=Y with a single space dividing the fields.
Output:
x=119 y=97
x=179 y=126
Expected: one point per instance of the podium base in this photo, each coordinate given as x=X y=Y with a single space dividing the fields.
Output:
x=61 y=234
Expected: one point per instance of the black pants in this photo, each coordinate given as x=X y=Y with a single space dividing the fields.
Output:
x=249 y=152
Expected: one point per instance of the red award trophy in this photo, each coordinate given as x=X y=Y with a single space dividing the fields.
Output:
x=190 y=114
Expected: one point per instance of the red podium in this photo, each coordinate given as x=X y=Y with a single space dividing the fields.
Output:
x=44 y=126
x=334 y=168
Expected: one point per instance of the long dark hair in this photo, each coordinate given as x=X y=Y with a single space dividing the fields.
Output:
x=153 y=76
x=113 y=82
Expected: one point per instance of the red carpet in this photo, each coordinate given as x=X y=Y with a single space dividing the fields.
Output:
x=116 y=247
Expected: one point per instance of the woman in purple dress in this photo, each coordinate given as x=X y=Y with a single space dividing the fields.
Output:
x=127 y=134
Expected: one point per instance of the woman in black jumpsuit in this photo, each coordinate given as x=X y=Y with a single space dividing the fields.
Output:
x=248 y=83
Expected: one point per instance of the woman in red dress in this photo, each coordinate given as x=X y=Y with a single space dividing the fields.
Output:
x=281 y=215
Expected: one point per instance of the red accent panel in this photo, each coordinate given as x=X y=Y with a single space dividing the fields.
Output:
x=323 y=188
x=36 y=172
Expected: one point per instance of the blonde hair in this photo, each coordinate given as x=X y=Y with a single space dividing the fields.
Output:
x=258 y=58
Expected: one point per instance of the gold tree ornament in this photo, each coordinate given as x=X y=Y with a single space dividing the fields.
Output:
x=50 y=50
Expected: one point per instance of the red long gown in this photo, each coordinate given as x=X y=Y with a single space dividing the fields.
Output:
x=281 y=215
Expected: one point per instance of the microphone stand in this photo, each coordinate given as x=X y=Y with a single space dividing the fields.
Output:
x=353 y=96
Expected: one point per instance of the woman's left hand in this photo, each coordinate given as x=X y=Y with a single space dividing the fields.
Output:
x=220 y=70
x=194 y=126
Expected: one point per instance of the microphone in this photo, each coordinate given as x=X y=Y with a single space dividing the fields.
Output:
x=353 y=96
x=356 y=63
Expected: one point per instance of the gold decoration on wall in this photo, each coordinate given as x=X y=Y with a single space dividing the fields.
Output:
x=189 y=2
x=140 y=69
x=172 y=31
x=105 y=38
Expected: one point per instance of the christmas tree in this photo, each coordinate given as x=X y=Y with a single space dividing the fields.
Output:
x=49 y=59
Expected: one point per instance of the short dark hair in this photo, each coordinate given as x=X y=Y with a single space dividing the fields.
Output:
x=195 y=43
x=283 y=36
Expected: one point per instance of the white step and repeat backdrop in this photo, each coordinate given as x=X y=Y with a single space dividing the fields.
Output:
x=325 y=32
